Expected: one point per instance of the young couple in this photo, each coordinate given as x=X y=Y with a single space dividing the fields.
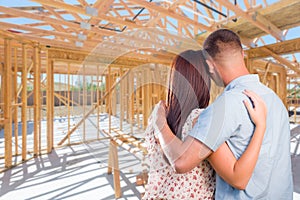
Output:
x=188 y=140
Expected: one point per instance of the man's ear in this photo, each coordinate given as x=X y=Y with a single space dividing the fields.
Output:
x=210 y=66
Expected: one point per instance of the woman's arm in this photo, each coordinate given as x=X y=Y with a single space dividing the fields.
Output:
x=238 y=172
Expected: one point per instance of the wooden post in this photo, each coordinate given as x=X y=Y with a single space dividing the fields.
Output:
x=127 y=97
x=7 y=72
x=113 y=165
x=1 y=89
x=68 y=106
x=50 y=105
x=79 y=91
x=92 y=91
x=113 y=95
x=108 y=103
x=283 y=88
x=37 y=96
x=121 y=97
x=73 y=100
x=52 y=102
x=137 y=98
x=15 y=107
x=98 y=98
x=24 y=102
x=84 y=100
x=131 y=100
x=145 y=96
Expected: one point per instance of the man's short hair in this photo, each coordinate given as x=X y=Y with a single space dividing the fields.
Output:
x=222 y=40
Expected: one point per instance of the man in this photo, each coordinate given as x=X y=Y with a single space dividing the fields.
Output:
x=227 y=120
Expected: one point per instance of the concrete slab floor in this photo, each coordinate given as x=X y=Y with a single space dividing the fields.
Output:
x=80 y=172
x=71 y=172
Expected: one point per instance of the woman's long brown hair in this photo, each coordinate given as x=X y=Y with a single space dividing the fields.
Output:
x=189 y=85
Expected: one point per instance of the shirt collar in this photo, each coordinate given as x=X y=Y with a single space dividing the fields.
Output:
x=242 y=79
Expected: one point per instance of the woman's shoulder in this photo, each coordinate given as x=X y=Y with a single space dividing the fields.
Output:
x=195 y=113
x=188 y=125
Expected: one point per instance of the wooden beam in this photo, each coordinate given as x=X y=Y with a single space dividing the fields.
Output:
x=29 y=15
x=49 y=43
x=282 y=60
x=50 y=20
x=38 y=30
x=83 y=3
x=126 y=60
x=257 y=19
x=170 y=13
x=58 y=16
x=280 y=48
x=79 y=10
x=171 y=8
x=104 y=6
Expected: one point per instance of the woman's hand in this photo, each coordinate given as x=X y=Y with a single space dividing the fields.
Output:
x=258 y=112
x=159 y=117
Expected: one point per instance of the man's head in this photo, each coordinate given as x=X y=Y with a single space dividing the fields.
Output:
x=225 y=56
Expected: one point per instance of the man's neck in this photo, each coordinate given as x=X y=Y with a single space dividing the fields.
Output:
x=236 y=74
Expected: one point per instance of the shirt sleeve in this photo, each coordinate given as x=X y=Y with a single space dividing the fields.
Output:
x=217 y=123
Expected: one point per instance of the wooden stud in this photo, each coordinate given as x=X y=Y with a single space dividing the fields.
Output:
x=24 y=102
x=68 y=105
x=73 y=89
x=1 y=89
x=97 y=99
x=37 y=96
x=52 y=103
x=49 y=103
x=92 y=90
x=108 y=103
x=126 y=98
x=7 y=72
x=84 y=101
x=15 y=100
x=131 y=100
x=146 y=97
x=79 y=93
x=93 y=109
x=137 y=101
x=121 y=98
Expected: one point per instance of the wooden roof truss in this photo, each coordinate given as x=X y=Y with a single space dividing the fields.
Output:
x=150 y=27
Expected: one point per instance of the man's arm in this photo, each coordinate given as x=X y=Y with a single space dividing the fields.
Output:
x=183 y=155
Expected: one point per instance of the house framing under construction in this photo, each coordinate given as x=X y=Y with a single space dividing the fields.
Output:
x=81 y=58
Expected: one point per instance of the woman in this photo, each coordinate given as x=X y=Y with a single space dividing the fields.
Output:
x=188 y=94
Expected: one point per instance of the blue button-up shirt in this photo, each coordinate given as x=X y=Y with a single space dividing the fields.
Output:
x=227 y=119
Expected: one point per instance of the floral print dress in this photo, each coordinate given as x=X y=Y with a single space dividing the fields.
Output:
x=164 y=183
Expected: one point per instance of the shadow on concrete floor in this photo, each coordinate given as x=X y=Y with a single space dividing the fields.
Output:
x=68 y=173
